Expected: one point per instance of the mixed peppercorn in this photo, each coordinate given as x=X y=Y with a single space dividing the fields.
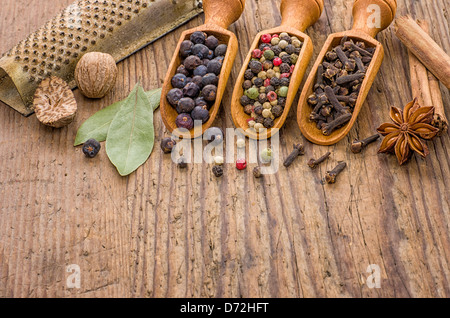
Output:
x=338 y=82
x=196 y=79
x=267 y=78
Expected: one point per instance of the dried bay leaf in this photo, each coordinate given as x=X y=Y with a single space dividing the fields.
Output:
x=131 y=134
x=97 y=125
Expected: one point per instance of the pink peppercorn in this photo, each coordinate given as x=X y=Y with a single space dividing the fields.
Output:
x=275 y=35
x=257 y=53
x=272 y=96
x=250 y=119
x=292 y=68
x=241 y=164
x=265 y=38
x=266 y=82
x=277 y=61
x=285 y=75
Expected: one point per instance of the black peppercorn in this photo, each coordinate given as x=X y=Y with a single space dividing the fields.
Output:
x=209 y=93
x=186 y=48
x=255 y=66
x=290 y=49
x=182 y=163
x=214 y=66
x=182 y=70
x=259 y=119
x=248 y=75
x=282 y=101
x=221 y=50
x=210 y=79
x=257 y=172
x=268 y=122
x=174 y=95
x=286 y=59
x=200 y=70
x=200 y=113
x=269 y=88
x=276 y=50
x=191 y=62
x=258 y=82
x=285 y=67
x=91 y=148
x=211 y=42
x=198 y=80
x=198 y=37
x=245 y=100
x=286 y=38
x=185 y=105
x=201 y=51
x=262 y=98
x=284 y=81
x=275 y=82
x=191 y=90
x=217 y=170
x=178 y=80
x=247 y=84
x=167 y=144
x=184 y=120
x=258 y=110
x=277 y=111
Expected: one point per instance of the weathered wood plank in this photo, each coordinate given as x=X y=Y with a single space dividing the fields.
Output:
x=167 y=232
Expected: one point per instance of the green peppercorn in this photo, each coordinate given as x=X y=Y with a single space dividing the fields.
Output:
x=269 y=55
x=283 y=91
x=262 y=75
x=294 y=58
x=282 y=44
x=266 y=155
x=253 y=93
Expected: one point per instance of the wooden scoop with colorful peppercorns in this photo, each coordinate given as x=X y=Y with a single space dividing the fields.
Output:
x=343 y=73
x=273 y=70
x=199 y=70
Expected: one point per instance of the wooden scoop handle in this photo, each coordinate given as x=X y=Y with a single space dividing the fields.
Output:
x=300 y=14
x=373 y=16
x=222 y=13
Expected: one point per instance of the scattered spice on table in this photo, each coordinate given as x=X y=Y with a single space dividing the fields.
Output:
x=314 y=163
x=299 y=150
x=330 y=176
x=358 y=145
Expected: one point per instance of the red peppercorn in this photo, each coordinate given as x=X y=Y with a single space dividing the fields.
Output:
x=292 y=68
x=266 y=48
x=277 y=61
x=275 y=35
x=250 y=119
x=266 y=82
x=241 y=164
x=265 y=38
x=285 y=75
x=272 y=96
x=257 y=53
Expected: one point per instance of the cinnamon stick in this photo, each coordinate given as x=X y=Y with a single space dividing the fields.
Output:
x=425 y=87
x=424 y=48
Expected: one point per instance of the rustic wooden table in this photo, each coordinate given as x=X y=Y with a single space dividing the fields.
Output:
x=166 y=232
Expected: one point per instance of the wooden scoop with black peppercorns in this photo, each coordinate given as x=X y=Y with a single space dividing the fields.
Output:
x=333 y=96
x=297 y=15
x=219 y=15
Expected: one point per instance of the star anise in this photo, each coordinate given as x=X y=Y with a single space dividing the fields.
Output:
x=404 y=136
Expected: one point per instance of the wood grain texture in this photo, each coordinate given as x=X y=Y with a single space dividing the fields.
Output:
x=167 y=232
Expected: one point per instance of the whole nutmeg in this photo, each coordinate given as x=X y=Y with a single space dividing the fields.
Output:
x=95 y=74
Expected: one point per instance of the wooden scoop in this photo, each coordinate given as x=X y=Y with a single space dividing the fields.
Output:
x=297 y=15
x=219 y=15
x=364 y=13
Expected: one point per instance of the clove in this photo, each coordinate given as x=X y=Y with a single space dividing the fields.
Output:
x=349 y=78
x=334 y=101
x=358 y=145
x=330 y=176
x=313 y=163
x=328 y=128
x=299 y=150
